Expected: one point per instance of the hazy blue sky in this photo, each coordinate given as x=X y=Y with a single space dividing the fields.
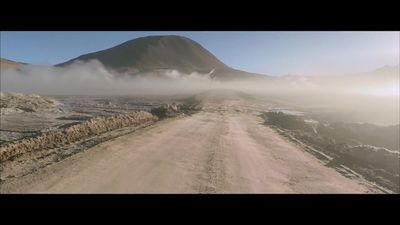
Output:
x=274 y=53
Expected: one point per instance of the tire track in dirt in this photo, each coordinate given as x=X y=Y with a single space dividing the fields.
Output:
x=211 y=178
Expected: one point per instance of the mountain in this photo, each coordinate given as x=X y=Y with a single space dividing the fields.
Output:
x=6 y=64
x=386 y=71
x=155 y=53
x=383 y=75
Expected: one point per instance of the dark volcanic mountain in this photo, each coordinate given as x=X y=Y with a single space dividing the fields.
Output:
x=154 y=53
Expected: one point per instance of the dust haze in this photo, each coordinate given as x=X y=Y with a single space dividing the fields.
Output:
x=370 y=97
x=93 y=78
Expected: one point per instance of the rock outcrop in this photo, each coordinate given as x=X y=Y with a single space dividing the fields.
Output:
x=165 y=111
x=172 y=110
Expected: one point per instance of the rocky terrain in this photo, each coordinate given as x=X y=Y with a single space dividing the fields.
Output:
x=25 y=115
x=365 y=150
x=221 y=148
x=18 y=102
x=66 y=136
x=55 y=131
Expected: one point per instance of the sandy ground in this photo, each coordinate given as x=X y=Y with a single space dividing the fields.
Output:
x=225 y=148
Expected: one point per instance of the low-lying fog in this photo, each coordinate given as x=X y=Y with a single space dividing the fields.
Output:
x=372 y=98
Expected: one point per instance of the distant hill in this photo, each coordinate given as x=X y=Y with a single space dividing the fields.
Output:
x=155 y=53
x=6 y=64
x=380 y=75
x=386 y=71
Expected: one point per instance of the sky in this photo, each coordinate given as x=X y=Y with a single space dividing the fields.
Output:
x=272 y=53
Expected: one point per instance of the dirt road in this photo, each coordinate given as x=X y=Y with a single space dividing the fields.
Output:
x=225 y=148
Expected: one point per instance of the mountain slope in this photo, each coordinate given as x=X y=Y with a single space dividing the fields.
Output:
x=154 y=53
x=387 y=70
x=6 y=64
